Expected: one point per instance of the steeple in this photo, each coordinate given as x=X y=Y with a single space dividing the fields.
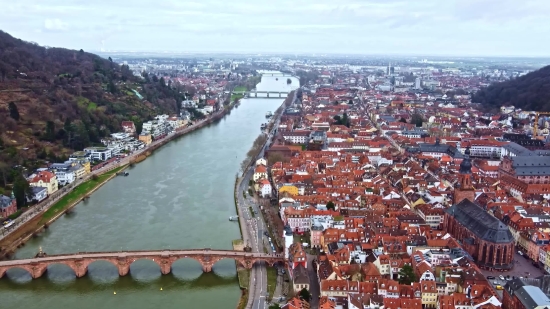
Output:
x=466 y=164
x=466 y=190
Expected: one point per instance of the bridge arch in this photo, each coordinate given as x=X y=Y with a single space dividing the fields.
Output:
x=65 y=264
x=206 y=262
x=34 y=270
x=84 y=265
x=4 y=270
x=165 y=265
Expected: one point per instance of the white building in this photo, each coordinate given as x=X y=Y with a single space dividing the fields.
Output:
x=296 y=137
x=99 y=153
x=265 y=188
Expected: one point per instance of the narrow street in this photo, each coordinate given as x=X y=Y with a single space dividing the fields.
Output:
x=314 y=288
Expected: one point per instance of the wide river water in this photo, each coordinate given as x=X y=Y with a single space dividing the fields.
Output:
x=180 y=197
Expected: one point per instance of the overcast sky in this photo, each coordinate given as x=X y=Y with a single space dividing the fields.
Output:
x=419 y=27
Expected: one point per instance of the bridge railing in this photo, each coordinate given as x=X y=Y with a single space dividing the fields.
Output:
x=162 y=251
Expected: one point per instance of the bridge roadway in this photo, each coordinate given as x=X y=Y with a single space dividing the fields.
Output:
x=79 y=262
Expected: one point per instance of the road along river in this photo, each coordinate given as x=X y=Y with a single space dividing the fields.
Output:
x=180 y=197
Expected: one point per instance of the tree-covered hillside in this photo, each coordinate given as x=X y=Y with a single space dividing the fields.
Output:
x=528 y=92
x=56 y=100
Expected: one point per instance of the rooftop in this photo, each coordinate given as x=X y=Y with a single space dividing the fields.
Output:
x=478 y=221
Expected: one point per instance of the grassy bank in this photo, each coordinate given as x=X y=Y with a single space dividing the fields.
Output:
x=236 y=204
x=76 y=194
x=271 y=281
x=238 y=95
x=244 y=278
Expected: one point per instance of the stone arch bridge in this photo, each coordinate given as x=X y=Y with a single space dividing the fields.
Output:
x=79 y=262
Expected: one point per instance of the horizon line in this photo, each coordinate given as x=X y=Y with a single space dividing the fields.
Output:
x=314 y=54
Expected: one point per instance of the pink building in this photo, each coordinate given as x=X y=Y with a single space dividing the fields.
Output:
x=316 y=233
x=8 y=206
x=535 y=241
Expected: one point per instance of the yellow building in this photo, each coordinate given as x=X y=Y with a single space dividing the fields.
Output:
x=146 y=138
x=292 y=190
x=429 y=293
x=81 y=170
x=46 y=180
x=86 y=166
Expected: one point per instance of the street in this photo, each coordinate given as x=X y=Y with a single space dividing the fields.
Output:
x=254 y=234
x=523 y=268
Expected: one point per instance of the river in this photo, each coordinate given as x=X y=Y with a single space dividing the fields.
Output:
x=180 y=197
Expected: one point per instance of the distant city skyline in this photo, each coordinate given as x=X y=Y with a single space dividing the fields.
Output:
x=484 y=28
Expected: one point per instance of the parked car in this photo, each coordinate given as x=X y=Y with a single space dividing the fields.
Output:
x=490 y=277
x=501 y=277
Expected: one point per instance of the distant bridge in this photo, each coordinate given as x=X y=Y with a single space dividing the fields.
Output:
x=267 y=94
x=79 y=262
x=279 y=74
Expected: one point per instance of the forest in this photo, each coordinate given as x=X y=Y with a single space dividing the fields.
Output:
x=529 y=92
x=54 y=101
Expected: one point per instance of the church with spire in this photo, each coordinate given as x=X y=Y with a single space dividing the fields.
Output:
x=465 y=189
x=8 y=205
x=484 y=237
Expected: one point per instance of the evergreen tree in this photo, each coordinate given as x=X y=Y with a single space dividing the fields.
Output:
x=417 y=119
x=21 y=190
x=331 y=206
x=111 y=87
x=406 y=275
x=345 y=120
x=14 y=112
x=305 y=295
x=50 y=131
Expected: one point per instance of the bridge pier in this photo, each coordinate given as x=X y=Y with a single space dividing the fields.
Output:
x=80 y=269
x=37 y=270
x=165 y=266
x=207 y=268
x=3 y=271
x=123 y=270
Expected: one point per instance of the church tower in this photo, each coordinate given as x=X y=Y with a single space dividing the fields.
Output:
x=466 y=190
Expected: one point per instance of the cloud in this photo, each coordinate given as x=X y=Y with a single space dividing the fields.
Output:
x=484 y=27
x=55 y=25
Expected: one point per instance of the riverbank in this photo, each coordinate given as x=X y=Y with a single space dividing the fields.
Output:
x=47 y=215
x=42 y=221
